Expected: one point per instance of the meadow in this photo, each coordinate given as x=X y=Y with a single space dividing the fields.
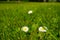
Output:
x=13 y=16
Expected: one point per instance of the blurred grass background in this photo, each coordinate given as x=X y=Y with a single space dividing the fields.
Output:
x=13 y=16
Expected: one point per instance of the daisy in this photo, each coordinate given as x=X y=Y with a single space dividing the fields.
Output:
x=42 y=29
x=25 y=29
x=30 y=12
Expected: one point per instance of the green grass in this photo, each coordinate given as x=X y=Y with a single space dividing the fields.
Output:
x=14 y=16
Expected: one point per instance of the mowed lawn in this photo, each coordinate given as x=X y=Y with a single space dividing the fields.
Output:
x=13 y=16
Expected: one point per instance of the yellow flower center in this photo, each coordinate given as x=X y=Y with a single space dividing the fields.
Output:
x=42 y=29
x=25 y=28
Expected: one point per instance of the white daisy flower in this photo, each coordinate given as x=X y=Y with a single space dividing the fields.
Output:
x=30 y=12
x=42 y=29
x=25 y=29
